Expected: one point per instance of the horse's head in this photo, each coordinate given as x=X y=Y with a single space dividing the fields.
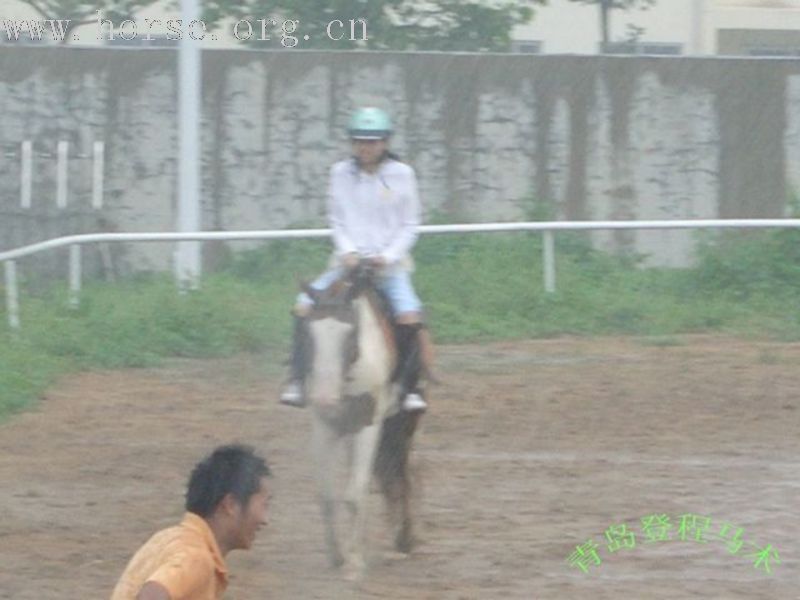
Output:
x=333 y=337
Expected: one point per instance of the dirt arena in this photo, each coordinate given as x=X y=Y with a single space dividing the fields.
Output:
x=530 y=449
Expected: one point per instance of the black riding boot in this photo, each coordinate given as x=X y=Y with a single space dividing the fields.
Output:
x=292 y=394
x=409 y=366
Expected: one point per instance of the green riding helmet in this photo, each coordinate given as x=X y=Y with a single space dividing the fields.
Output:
x=370 y=124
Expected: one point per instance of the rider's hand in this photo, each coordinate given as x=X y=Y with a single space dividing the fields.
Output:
x=350 y=260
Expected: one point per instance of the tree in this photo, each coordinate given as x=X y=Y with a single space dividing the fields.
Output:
x=451 y=25
x=606 y=6
x=74 y=13
x=63 y=16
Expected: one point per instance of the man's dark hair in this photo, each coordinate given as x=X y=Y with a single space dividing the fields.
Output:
x=232 y=469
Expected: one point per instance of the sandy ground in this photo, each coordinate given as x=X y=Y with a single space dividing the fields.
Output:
x=530 y=449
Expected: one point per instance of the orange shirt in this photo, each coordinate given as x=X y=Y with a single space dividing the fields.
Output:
x=185 y=559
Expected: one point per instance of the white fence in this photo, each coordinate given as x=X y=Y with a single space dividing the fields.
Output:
x=31 y=161
x=548 y=229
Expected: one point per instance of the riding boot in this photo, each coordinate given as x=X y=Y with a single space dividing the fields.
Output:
x=409 y=367
x=293 y=393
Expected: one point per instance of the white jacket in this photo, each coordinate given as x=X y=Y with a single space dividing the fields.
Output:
x=374 y=214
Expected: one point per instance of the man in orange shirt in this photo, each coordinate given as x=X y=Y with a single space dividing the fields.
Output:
x=226 y=503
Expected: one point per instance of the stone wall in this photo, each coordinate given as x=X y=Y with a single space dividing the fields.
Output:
x=591 y=137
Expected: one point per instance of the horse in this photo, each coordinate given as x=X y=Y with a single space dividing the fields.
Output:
x=351 y=360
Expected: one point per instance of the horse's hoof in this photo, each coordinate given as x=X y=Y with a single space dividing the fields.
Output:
x=396 y=555
x=404 y=543
x=336 y=561
x=353 y=572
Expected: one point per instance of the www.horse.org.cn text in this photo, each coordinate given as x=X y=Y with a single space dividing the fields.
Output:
x=286 y=32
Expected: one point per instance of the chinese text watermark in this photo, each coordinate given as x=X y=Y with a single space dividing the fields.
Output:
x=657 y=528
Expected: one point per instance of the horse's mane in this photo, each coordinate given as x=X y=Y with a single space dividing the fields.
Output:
x=358 y=283
x=353 y=284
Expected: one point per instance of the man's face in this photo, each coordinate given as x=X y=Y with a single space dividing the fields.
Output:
x=252 y=517
x=369 y=152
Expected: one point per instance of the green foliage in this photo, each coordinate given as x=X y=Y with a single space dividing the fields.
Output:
x=620 y=4
x=482 y=287
x=606 y=6
x=82 y=13
x=746 y=264
x=449 y=25
x=25 y=371
x=475 y=287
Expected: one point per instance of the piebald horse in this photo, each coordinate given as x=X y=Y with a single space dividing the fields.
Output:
x=351 y=360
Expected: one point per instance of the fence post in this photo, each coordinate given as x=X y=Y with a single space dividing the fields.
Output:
x=62 y=173
x=549 y=261
x=97 y=174
x=74 y=275
x=12 y=294
x=188 y=259
x=26 y=170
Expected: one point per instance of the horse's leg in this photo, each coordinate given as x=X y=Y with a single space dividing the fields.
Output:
x=395 y=490
x=365 y=446
x=405 y=538
x=387 y=469
x=323 y=442
x=392 y=468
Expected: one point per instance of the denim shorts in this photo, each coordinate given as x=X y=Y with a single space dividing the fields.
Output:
x=396 y=284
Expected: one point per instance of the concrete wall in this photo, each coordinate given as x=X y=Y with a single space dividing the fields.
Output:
x=593 y=137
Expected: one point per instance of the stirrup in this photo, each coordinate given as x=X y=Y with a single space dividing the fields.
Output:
x=292 y=395
x=414 y=402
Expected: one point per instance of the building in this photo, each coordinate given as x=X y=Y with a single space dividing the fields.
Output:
x=688 y=27
x=755 y=27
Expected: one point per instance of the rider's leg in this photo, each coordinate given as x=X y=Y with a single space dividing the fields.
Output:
x=292 y=393
x=407 y=310
x=409 y=330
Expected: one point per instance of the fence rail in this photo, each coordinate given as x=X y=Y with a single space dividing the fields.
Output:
x=548 y=229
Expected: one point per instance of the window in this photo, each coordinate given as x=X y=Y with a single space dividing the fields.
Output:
x=527 y=46
x=772 y=51
x=646 y=48
x=758 y=42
